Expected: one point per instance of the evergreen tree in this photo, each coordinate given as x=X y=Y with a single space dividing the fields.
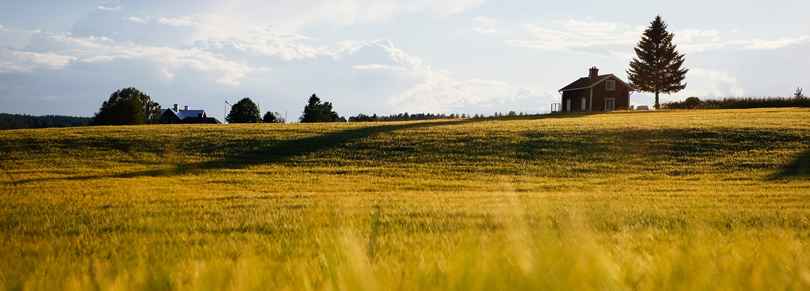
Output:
x=244 y=111
x=315 y=111
x=127 y=106
x=657 y=68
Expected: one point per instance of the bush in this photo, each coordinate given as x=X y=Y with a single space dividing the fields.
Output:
x=363 y=118
x=737 y=103
x=273 y=117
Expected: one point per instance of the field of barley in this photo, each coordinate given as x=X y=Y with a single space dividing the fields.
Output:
x=666 y=200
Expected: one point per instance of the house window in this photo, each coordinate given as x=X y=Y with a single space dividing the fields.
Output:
x=610 y=104
x=583 y=104
x=165 y=119
x=610 y=85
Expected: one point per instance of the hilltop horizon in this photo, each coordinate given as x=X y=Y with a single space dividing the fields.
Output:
x=469 y=56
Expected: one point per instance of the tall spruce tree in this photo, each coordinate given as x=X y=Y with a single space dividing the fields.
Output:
x=658 y=66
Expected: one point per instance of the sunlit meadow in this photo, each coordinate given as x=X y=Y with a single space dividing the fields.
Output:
x=682 y=200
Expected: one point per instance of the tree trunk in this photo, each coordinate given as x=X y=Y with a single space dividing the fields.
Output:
x=656 y=101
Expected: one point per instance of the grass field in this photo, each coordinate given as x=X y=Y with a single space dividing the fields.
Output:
x=682 y=200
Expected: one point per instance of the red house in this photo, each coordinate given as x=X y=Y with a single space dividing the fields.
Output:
x=596 y=93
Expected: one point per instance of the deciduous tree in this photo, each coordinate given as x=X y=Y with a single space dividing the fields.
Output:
x=244 y=111
x=127 y=106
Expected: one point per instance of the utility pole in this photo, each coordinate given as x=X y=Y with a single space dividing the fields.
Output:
x=224 y=108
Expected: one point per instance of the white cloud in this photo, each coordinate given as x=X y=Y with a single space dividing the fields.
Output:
x=135 y=19
x=774 y=44
x=686 y=35
x=577 y=36
x=589 y=27
x=482 y=31
x=753 y=44
x=723 y=84
x=26 y=62
x=432 y=91
x=487 y=21
x=182 y=21
x=378 y=67
x=594 y=37
x=116 y=8
x=63 y=48
x=234 y=16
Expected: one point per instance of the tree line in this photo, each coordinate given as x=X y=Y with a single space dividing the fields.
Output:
x=22 y=121
x=797 y=100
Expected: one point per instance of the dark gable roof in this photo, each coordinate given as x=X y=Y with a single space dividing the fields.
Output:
x=586 y=83
x=211 y=120
x=191 y=116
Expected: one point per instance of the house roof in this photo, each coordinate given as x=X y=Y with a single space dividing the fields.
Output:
x=587 y=83
x=183 y=114
x=211 y=120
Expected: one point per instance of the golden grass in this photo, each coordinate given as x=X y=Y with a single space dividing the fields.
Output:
x=683 y=200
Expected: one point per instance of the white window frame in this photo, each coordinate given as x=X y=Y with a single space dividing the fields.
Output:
x=582 y=106
x=610 y=85
x=610 y=104
x=568 y=105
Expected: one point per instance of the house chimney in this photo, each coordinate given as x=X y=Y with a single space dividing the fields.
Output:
x=176 y=107
x=186 y=107
x=593 y=72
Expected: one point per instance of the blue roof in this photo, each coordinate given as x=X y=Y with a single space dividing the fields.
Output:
x=182 y=114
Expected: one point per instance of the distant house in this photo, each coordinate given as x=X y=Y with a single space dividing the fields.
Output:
x=177 y=115
x=596 y=93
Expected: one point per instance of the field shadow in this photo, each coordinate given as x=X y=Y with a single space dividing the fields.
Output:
x=259 y=152
x=287 y=150
x=798 y=168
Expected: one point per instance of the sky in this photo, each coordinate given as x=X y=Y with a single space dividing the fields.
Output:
x=381 y=56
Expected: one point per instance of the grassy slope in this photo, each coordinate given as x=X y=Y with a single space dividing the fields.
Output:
x=656 y=200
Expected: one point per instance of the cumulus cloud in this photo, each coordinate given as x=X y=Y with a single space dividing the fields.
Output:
x=723 y=84
x=182 y=21
x=135 y=19
x=60 y=48
x=602 y=38
x=432 y=91
x=482 y=31
x=234 y=16
x=753 y=44
x=488 y=22
x=686 y=35
x=589 y=27
x=26 y=62
x=104 y=8
x=581 y=36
